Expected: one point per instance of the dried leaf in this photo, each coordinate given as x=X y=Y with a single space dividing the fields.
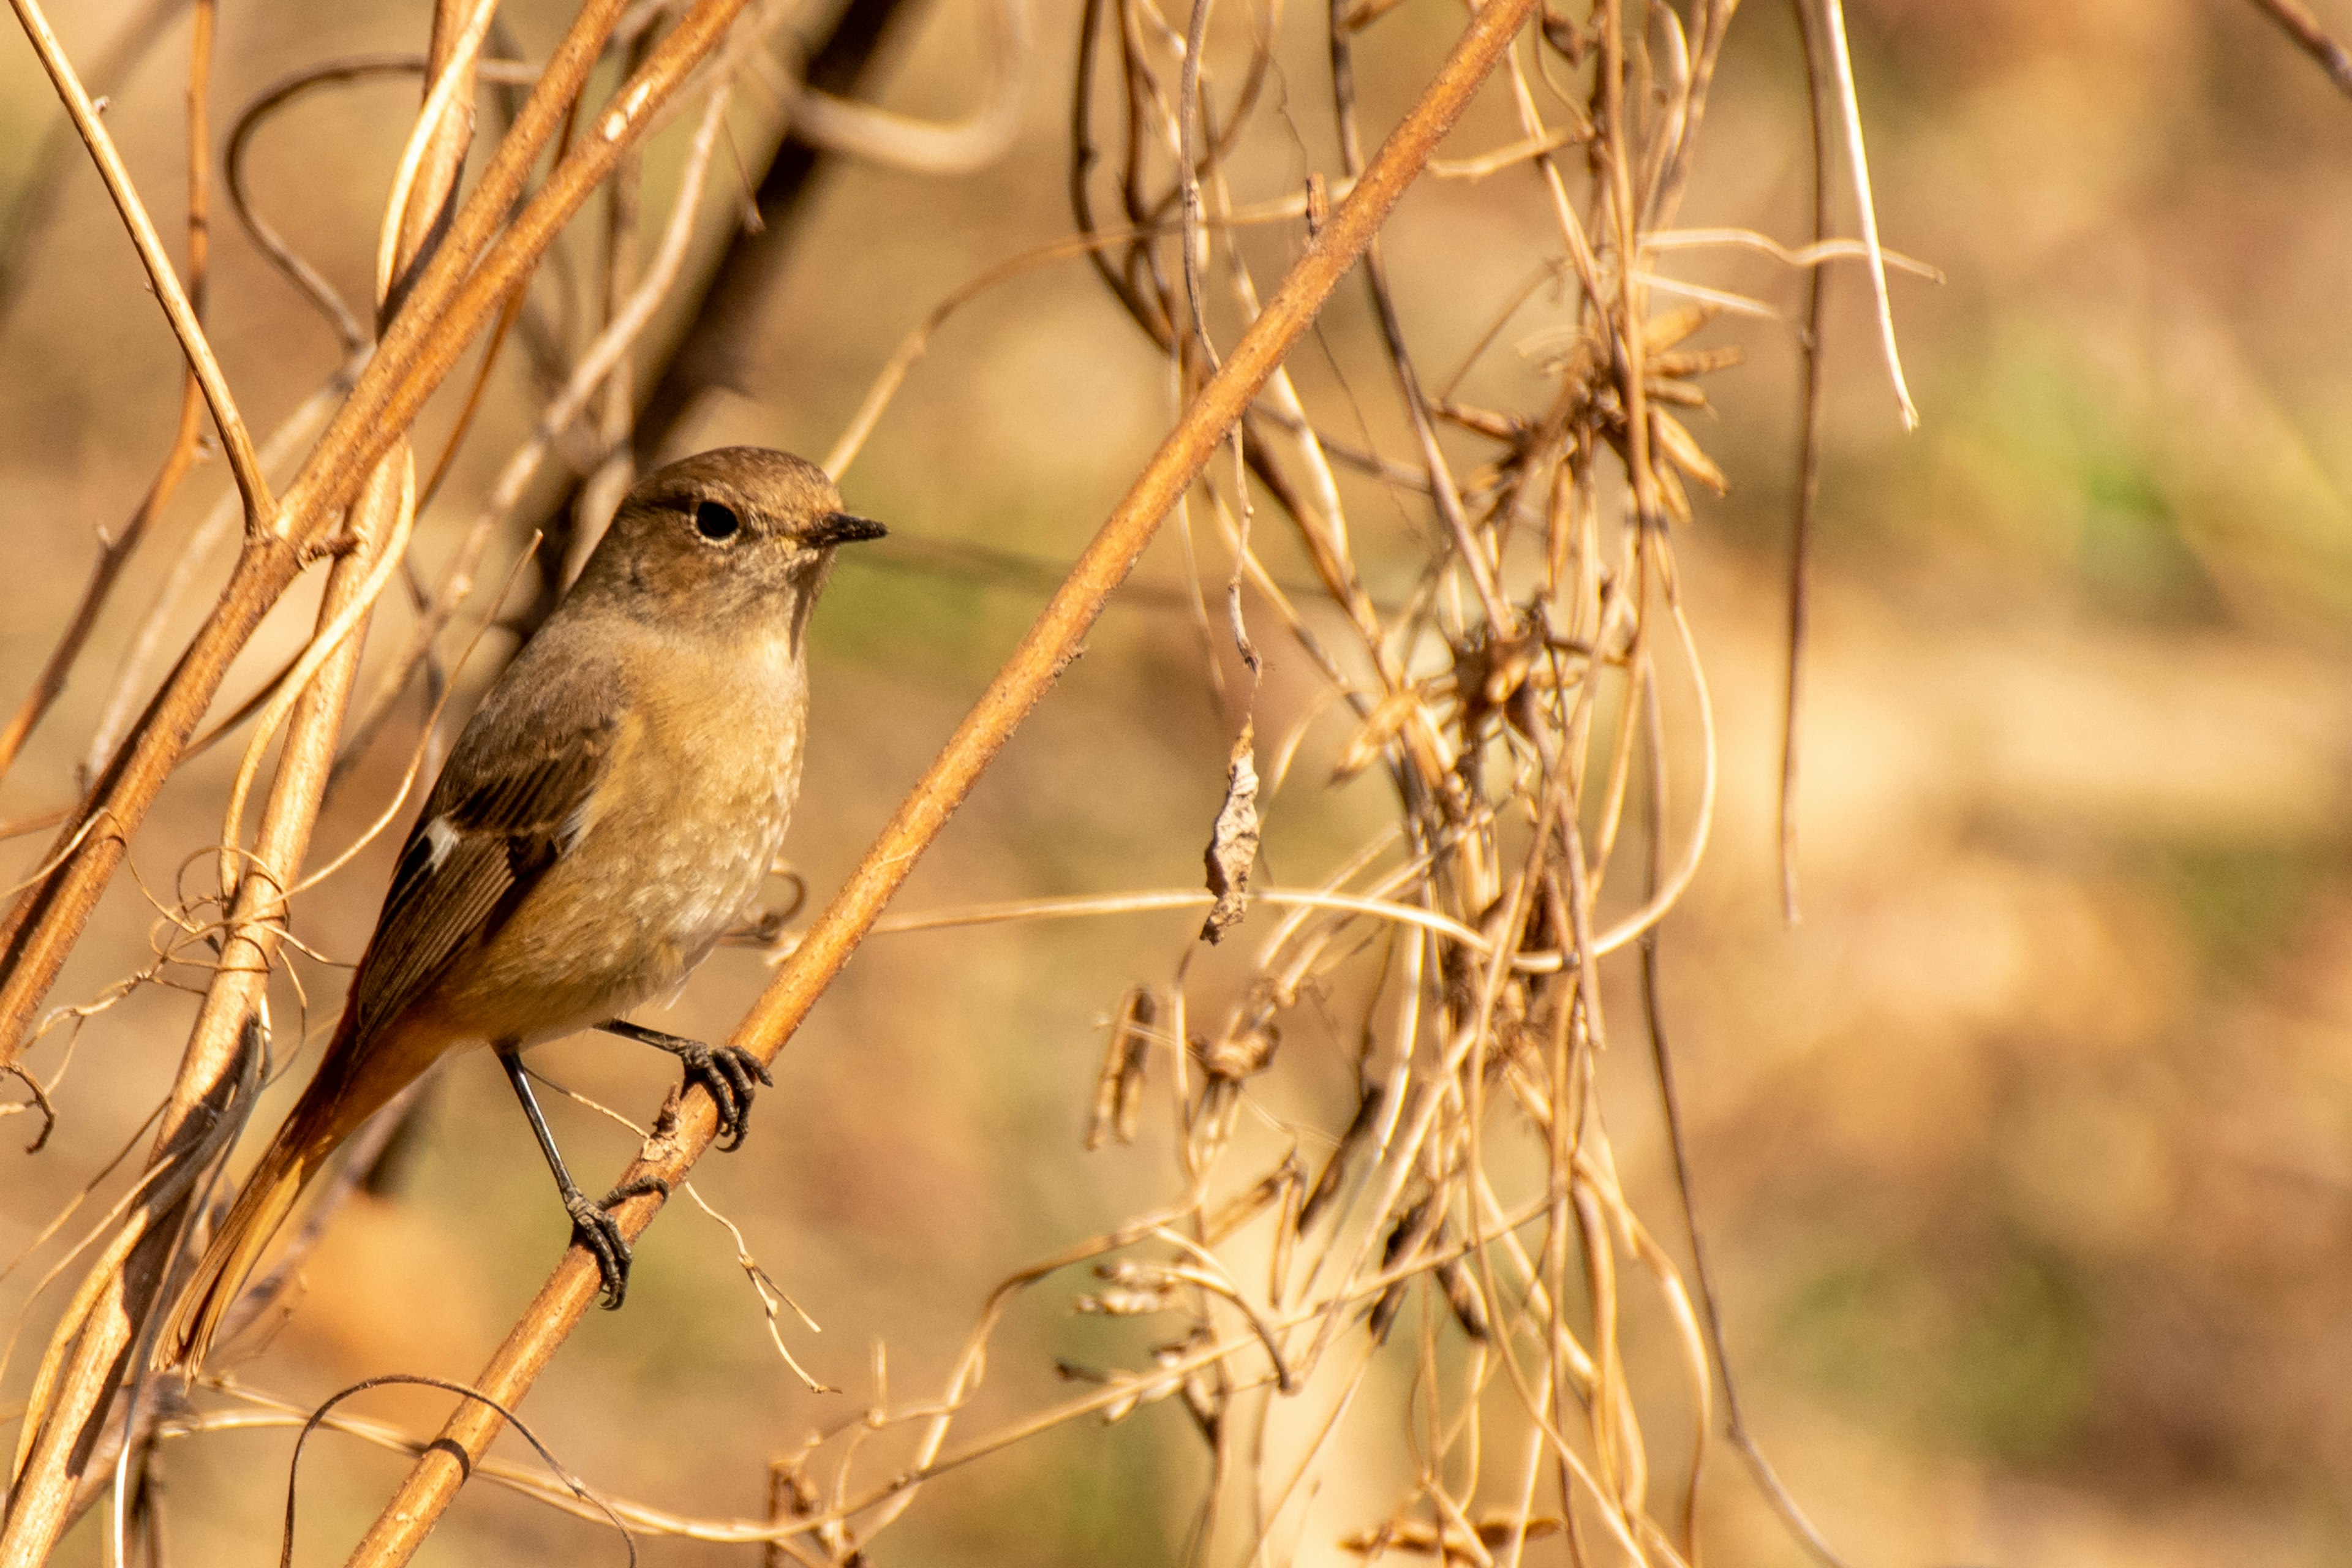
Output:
x=1127 y=1303
x=1239 y=1053
x=1696 y=361
x=1245 y=1207
x=1483 y=422
x=1682 y=395
x=1461 y=1294
x=1676 y=440
x=1335 y=1169
x=1136 y=1288
x=1421 y=1538
x=1507 y=664
x=1672 y=496
x=1118 y=1090
x=1662 y=332
x=1232 y=843
x=1564 y=36
x=1371 y=737
x=1406 y=1237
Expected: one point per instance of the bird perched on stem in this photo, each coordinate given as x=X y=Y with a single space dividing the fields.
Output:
x=607 y=814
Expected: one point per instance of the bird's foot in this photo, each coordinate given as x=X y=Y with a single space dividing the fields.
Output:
x=727 y=1074
x=594 y=1228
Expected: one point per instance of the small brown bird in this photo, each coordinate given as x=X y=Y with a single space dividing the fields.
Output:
x=608 y=813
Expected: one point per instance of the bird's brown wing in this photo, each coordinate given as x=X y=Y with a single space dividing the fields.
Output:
x=508 y=805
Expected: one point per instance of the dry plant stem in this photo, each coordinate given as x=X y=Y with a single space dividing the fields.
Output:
x=1048 y=647
x=866 y=131
x=1840 y=61
x=604 y=359
x=1715 y=24
x=35 y=1509
x=444 y=310
x=2299 y=24
x=444 y=304
x=711 y=350
x=616 y=400
x=936 y=1414
x=175 y=300
x=114 y=552
x=1629 y=342
x=47 y=919
x=362 y=1154
x=1809 y=469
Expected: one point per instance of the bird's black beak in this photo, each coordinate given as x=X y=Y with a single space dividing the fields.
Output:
x=841 y=528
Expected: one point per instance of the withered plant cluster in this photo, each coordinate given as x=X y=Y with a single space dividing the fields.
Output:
x=1534 y=703
x=1468 y=1220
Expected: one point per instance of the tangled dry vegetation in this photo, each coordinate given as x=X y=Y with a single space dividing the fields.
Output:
x=1535 y=703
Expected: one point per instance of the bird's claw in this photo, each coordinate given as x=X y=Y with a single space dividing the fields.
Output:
x=594 y=1228
x=727 y=1073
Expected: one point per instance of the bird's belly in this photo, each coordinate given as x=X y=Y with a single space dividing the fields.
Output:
x=625 y=916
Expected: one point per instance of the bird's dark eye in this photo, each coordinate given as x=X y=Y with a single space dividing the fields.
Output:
x=716 y=521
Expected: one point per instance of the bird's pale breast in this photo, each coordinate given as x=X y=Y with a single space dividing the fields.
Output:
x=675 y=843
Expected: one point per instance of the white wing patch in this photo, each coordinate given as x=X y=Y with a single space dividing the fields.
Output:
x=443 y=837
x=576 y=824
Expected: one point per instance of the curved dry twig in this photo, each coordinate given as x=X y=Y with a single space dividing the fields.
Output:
x=318 y=1417
x=308 y=279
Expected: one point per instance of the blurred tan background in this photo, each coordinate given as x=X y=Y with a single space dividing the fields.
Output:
x=2025 y=1159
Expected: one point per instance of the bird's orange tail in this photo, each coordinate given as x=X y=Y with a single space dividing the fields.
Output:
x=322 y=1119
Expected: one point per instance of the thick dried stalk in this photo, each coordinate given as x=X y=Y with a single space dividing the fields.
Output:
x=1018 y=686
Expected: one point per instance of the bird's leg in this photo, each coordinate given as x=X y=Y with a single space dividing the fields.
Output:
x=727 y=1072
x=592 y=1226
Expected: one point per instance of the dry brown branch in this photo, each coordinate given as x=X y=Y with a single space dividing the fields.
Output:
x=2295 y=19
x=1018 y=686
x=709 y=352
x=322 y=1416
x=285 y=444
x=1809 y=471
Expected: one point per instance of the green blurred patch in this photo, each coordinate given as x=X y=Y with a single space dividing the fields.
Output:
x=2064 y=466
x=1989 y=1344
x=2238 y=901
x=2130 y=558
x=1085 y=1492
x=931 y=628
